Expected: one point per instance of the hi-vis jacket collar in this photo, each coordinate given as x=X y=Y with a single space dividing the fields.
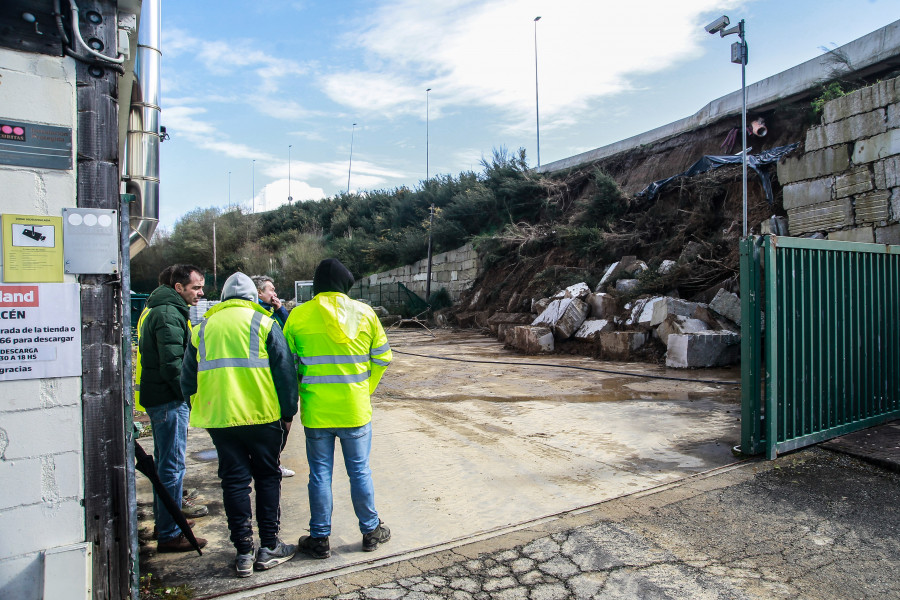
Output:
x=236 y=302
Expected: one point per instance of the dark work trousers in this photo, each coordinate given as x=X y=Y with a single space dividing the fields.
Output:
x=250 y=452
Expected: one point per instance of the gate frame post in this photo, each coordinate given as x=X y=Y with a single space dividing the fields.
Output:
x=751 y=349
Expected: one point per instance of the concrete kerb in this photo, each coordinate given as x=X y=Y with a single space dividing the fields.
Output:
x=388 y=568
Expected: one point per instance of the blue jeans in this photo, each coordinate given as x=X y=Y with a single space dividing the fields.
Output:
x=356 y=444
x=170 y=426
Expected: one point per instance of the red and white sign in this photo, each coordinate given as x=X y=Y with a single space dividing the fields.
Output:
x=40 y=331
x=19 y=295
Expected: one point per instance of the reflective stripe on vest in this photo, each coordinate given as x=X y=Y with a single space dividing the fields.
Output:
x=253 y=362
x=356 y=378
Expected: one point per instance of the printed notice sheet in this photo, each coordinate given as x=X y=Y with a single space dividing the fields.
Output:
x=32 y=249
x=40 y=331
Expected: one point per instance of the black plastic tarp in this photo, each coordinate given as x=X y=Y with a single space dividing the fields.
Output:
x=708 y=163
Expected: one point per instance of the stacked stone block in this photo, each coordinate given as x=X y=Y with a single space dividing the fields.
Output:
x=454 y=271
x=847 y=182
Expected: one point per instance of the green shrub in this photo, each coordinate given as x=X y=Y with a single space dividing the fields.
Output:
x=440 y=299
x=601 y=207
x=830 y=92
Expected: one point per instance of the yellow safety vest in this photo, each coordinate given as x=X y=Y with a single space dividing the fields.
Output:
x=137 y=359
x=234 y=380
x=342 y=352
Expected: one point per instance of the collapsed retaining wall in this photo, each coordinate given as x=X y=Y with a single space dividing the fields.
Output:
x=454 y=271
x=847 y=182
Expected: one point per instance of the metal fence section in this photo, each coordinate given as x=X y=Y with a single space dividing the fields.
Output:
x=829 y=340
x=395 y=297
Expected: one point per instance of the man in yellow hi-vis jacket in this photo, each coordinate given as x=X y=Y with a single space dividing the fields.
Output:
x=239 y=375
x=342 y=352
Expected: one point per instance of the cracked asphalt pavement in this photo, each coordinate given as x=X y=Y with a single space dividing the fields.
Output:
x=811 y=524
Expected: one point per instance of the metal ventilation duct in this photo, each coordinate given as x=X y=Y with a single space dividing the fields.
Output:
x=142 y=142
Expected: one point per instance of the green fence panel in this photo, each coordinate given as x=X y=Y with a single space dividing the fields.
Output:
x=831 y=343
x=395 y=297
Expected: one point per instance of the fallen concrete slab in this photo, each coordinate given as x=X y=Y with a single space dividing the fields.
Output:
x=703 y=349
x=530 y=339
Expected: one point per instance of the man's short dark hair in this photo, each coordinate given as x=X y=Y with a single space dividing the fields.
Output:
x=182 y=274
x=260 y=281
x=165 y=276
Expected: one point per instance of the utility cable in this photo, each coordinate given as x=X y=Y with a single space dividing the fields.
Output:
x=607 y=371
x=76 y=32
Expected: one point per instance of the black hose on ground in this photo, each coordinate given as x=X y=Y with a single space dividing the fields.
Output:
x=607 y=371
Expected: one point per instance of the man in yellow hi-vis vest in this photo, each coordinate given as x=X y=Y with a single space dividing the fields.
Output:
x=342 y=352
x=242 y=383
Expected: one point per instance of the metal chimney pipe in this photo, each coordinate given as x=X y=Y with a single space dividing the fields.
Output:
x=142 y=142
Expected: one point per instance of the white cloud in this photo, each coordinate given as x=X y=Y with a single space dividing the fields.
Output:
x=363 y=175
x=275 y=194
x=480 y=52
x=262 y=73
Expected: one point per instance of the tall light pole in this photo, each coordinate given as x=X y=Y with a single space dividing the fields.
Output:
x=253 y=186
x=229 y=190
x=738 y=55
x=537 y=110
x=290 y=198
x=427 y=173
x=351 y=158
x=428 y=275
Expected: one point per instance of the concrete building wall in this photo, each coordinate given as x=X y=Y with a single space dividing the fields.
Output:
x=454 y=271
x=847 y=181
x=41 y=458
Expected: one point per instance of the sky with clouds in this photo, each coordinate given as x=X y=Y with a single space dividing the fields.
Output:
x=260 y=99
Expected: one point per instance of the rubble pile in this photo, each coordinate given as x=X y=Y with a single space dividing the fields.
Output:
x=692 y=334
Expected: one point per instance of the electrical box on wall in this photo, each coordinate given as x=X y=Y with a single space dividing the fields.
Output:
x=91 y=241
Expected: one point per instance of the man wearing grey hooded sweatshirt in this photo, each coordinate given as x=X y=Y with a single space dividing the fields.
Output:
x=240 y=377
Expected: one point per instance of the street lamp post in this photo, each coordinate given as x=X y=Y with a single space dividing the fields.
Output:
x=537 y=110
x=290 y=198
x=350 y=167
x=738 y=55
x=229 y=190
x=428 y=274
x=427 y=172
x=253 y=186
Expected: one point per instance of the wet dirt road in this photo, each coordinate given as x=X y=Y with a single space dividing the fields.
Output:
x=463 y=450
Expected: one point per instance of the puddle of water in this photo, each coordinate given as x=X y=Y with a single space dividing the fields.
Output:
x=210 y=455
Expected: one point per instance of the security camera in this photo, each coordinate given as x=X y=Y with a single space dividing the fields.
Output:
x=718 y=25
x=35 y=235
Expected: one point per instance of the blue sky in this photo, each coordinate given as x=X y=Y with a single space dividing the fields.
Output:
x=244 y=81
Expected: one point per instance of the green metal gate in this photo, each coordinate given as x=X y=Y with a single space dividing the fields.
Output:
x=828 y=339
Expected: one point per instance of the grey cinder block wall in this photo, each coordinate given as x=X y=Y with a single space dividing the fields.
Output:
x=847 y=181
x=454 y=270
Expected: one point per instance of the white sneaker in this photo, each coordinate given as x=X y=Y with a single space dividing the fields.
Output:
x=285 y=472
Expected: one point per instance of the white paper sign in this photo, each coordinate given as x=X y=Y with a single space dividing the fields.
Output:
x=40 y=331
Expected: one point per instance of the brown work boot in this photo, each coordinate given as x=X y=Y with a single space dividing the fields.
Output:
x=155 y=534
x=179 y=544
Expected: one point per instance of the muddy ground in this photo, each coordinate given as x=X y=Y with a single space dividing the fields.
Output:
x=467 y=450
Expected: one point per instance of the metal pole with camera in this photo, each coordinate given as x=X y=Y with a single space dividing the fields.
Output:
x=738 y=55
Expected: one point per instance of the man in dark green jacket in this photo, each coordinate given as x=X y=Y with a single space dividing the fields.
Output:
x=164 y=335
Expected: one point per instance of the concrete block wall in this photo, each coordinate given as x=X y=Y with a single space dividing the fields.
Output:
x=41 y=457
x=847 y=181
x=454 y=270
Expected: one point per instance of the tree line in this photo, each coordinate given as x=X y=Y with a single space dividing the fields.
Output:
x=369 y=232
